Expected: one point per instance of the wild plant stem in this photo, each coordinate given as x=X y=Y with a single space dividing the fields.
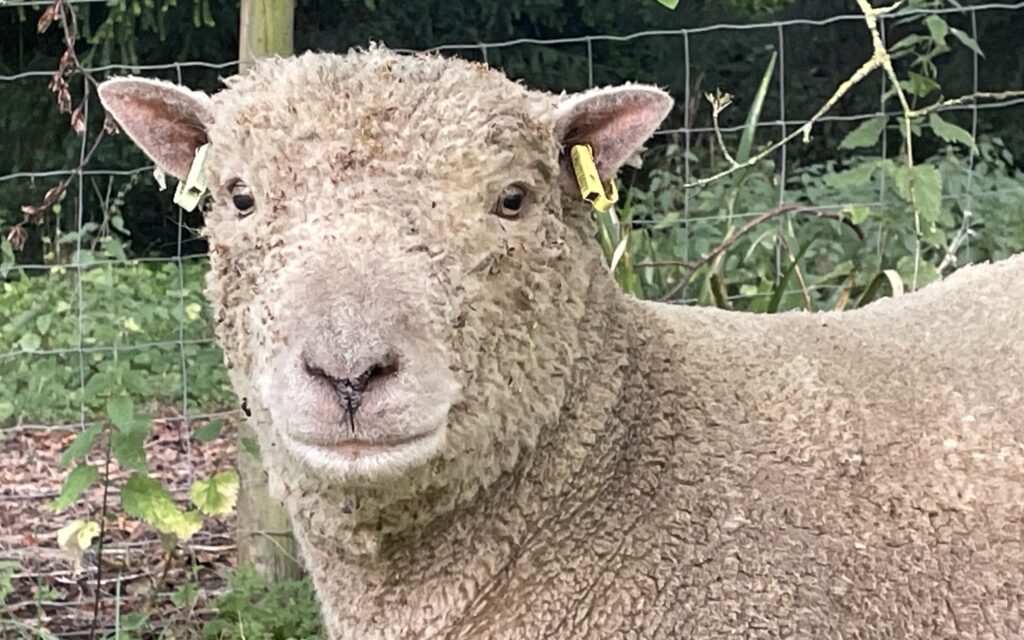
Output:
x=99 y=547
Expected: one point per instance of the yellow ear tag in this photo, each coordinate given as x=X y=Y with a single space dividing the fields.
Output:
x=192 y=189
x=602 y=197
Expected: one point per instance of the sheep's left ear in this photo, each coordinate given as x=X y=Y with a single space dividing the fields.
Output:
x=615 y=122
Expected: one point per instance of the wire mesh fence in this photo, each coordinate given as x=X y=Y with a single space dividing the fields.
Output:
x=161 y=345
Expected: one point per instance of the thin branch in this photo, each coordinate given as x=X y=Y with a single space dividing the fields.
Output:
x=971 y=97
x=99 y=548
x=692 y=267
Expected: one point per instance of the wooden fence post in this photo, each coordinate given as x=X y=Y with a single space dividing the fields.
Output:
x=266 y=28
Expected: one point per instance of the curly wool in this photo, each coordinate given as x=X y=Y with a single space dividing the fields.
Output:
x=612 y=468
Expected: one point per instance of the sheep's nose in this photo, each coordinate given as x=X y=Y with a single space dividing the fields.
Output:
x=348 y=391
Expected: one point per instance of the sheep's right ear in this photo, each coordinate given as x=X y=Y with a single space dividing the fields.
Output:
x=166 y=121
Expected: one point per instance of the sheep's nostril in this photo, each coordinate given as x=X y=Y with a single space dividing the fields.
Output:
x=348 y=391
x=388 y=366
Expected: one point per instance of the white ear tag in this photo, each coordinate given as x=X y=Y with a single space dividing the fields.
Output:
x=192 y=189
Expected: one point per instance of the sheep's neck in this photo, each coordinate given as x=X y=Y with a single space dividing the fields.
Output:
x=455 y=563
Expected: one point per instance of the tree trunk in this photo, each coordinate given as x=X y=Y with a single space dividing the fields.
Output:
x=264 y=538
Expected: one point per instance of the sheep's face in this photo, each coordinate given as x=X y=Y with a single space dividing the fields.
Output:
x=394 y=279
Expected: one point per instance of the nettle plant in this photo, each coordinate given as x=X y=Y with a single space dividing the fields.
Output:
x=121 y=439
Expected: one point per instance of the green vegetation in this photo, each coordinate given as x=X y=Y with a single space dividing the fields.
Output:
x=663 y=222
x=256 y=610
x=145 y=330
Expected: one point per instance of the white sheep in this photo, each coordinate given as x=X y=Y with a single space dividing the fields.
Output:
x=478 y=436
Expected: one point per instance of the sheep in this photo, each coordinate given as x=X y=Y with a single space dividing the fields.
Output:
x=478 y=436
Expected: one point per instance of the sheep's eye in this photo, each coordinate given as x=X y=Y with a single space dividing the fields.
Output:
x=242 y=199
x=512 y=201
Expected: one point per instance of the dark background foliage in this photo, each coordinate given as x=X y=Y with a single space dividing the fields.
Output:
x=37 y=138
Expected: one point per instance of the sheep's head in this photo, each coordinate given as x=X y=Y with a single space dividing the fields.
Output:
x=397 y=269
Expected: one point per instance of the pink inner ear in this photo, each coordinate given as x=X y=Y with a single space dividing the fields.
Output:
x=164 y=122
x=173 y=134
x=615 y=124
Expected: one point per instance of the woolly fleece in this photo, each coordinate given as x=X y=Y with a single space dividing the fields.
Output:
x=609 y=468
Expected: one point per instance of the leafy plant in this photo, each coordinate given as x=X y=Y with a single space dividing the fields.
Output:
x=144 y=328
x=254 y=609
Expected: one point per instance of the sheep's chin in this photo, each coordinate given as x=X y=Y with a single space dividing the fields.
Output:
x=355 y=461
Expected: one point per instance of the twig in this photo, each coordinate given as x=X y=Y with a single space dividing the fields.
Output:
x=99 y=548
x=973 y=97
x=692 y=267
x=949 y=260
x=718 y=103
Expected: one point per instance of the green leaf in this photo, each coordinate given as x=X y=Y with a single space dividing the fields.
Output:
x=950 y=132
x=133 y=621
x=128 y=446
x=857 y=213
x=208 y=431
x=217 y=494
x=80 y=478
x=121 y=412
x=80 y=446
x=919 y=85
x=671 y=4
x=30 y=342
x=937 y=28
x=926 y=272
x=855 y=177
x=967 y=41
x=866 y=134
x=144 y=498
x=6 y=409
x=43 y=323
x=251 y=446
x=114 y=249
x=118 y=223
x=888 y=276
x=754 y=115
x=185 y=595
x=780 y=288
x=926 y=187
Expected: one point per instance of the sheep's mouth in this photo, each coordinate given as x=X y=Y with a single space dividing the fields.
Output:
x=358 y=448
x=362 y=457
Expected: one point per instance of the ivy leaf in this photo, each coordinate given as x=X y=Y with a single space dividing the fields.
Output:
x=208 y=431
x=80 y=446
x=216 y=495
x=144 y=498
x=950 y=132
x=80 y=478
x=866 y=134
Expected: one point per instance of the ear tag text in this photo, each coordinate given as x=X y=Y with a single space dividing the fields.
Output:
x=601 y=196
x=192 y=189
